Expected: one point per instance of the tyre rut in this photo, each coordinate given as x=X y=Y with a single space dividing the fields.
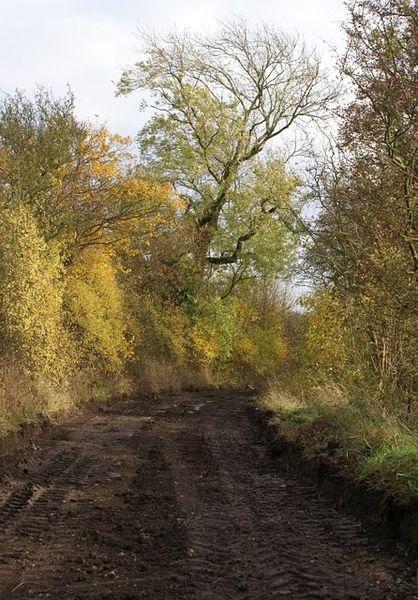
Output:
x=176 y=499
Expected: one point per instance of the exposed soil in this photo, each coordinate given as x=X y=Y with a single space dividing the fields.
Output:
x=178 y=499
x=381 y=511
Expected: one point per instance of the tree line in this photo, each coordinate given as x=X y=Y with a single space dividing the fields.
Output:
x=162 y=268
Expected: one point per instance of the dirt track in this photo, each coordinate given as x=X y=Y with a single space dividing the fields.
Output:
x=176 y=499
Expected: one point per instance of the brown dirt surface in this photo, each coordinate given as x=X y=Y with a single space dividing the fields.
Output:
x=176 y=498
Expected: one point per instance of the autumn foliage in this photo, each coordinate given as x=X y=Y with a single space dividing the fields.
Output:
x=158 y=265
x=100 y=289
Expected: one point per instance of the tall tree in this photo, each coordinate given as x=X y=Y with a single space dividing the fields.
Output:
x=219 y=101
x=382 y=124
x=365 y=242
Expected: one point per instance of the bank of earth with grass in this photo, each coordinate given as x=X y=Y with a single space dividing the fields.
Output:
x=376 y=453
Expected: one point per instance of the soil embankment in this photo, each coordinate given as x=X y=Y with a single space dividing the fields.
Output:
x=177 y=499
x=336 y=481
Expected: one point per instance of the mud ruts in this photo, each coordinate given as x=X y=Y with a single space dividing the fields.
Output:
x=377 y=509
x=177 y=498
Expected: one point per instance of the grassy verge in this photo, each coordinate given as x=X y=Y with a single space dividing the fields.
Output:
x=378 y=449
x=23 y=401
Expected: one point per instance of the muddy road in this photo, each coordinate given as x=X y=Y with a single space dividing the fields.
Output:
x=177 y=499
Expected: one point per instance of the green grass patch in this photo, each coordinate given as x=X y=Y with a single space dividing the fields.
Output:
x=393 y=467
x=300 y=414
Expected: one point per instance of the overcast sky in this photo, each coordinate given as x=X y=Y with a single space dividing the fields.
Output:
x=86 y=43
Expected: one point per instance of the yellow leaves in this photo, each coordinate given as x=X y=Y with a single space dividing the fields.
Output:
x=326 y=336
x=259 y=352
x=95 y=306
x=4 y=160
x=246 y=349
x=161 y=332
x=232 y=338
x=101 y=196
x=31 y=296
x=260 y=346
x=205 y=344
x=104 y=155
x=99 y=164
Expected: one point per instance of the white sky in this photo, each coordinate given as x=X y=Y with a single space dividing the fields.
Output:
x=86 y=43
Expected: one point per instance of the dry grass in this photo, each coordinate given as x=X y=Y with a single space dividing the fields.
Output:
x=17 y=400
x=156 y=377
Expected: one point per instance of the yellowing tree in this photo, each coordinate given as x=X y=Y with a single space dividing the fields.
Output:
x=81 y=183
x=31 y=296
x=96 y=310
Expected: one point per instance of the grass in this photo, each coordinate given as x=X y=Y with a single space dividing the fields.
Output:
x=24 y=401
x=299 y=414
x=393 y=466
x=369 y=445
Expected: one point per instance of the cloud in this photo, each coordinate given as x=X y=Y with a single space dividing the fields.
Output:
x=86 y=43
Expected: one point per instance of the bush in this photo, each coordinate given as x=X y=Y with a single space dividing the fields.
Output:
x=96 y=311
x=213 y=335
x=31 y=297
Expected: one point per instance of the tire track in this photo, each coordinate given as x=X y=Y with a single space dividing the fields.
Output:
x=258 y=534
x=94 y=517
x=174 y=499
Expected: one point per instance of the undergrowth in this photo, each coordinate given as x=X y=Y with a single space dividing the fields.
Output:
x=371 y=446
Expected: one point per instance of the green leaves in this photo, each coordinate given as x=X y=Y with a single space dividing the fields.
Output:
x=219 y=101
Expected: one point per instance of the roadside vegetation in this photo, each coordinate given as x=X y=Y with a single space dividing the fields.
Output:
x=161 y=263
x=352 y=390
x=123 y=271
x=367 y=445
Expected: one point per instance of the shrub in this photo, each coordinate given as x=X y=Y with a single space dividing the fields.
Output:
x=95 y=310
x=31 y=297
